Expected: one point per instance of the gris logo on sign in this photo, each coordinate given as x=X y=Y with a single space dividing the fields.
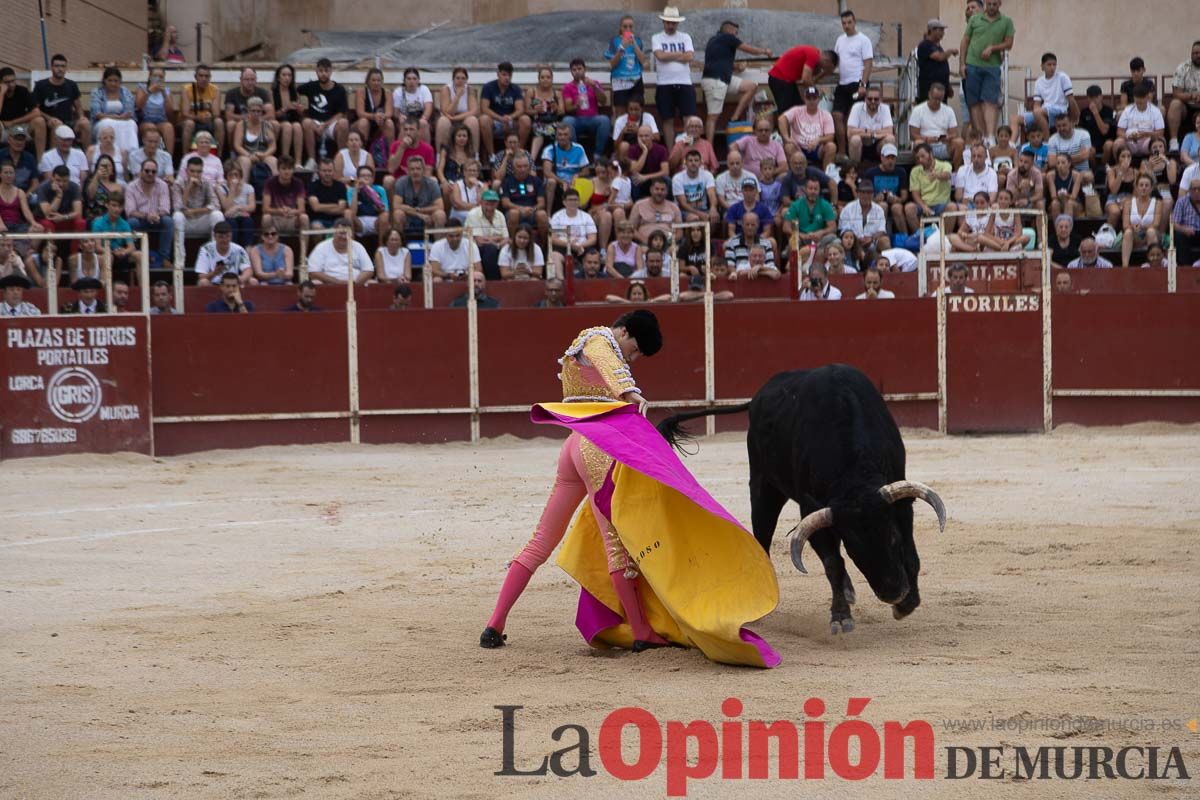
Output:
x=74 y=394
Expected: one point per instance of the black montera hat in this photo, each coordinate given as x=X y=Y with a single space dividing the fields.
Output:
x=643 y=327
x=87 y=283
x=15 y=280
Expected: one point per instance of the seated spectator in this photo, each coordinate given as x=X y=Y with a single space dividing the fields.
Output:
x=161 y=301
x=835 y=260
x=653 y=265
x=562 y=161
x=106 y=146
x=636 y=292
x=522 y=198
x=85 y=263
x=285 y=198
x=865 y=219
x=1063 y=247
x=1053 y=96
x=414 y=102
x=647 y=162
x=1006 y=224
x=870 y=127
x=623 y=256
x=197 y=206
x=809 y=129
x=934 y=123
x=522 y=258
x=591 y=267
x=977 y=175
x=976 y=232
x=112 y=106
x=156 y=111
x=628 y=124
x=1002 y=154
x=810 y=216
x=729 y=183
x=1063 y=185
x=1075 y=144
x=554 y=294
x=238 y=204
x=750 y=203
x=238 y=104
x=306 y=296
x=692 y=138
x=152 y=150
x=87 y=300
x=15 y=214
x=1140 y=123
x=1186 y=217
x=488 y=228
x=1120 y=180
x=289 y=113
x=1026 y=184
x=1137 y=77
x=1185 y=99
x=770 y=187
x=405 y=148
x=655 y=212
x=452 y=163
x=760 y=267
x=367 y=205
x=44 y=266
x=59 y=100
x=120 y=295
x=466 y=193
x=327 y=197
x=457 y=105
x=890 y=184
x=20 y=156
x=692 y=251
x=695 y=190
x=816 y=285
x=222 y=250
x=10 y=260
x=1142 y=217
x=271 y=261
x=572 y=232
x=14 y=305
x=1162 y=169
x=374 y=112
x=100 y=185
x=230 y=301
x=1100 y=121
x=799 y=171
x=1156 y=256
x=737 y=248
x=759 y=146
x=393 y=265
x=60 y=203
x=401 y=297
x=199 y=108
x=611 y=200
x=482 y=298
x=64 y=154
x=451 y=256
x=956 y=280
x=1063 y=283
x=896 y=259
x=417 y=201
x=502 y=163
x=148 y=208
x=325 y=123
x=873 y=286
x=1189 y=151
x=502 y=110
x=254 y=143
x=928 y=186
x=1037 y=148
x=1089 y=256
x=847 y=188
x=213 y=167
x=545 y=109
x=329 y=262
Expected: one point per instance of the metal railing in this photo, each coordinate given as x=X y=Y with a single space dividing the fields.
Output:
x=106 y=264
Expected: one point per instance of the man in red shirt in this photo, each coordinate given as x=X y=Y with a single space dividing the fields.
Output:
x=795 y=71
x=408 y=145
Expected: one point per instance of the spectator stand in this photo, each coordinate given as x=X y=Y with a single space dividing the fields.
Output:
x=106 y=267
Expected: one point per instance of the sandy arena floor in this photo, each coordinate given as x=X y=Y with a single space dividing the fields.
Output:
x=290 y=622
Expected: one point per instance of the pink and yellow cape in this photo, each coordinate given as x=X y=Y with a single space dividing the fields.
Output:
x=705 y=575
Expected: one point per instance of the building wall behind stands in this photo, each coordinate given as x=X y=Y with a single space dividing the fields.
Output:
x=112 y=31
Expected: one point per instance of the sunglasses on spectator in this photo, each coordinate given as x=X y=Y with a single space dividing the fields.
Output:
x=270 y=233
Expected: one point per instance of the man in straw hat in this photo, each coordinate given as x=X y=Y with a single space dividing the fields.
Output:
x=673 y=54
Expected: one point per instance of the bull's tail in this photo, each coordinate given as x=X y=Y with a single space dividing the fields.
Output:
x=677 y=436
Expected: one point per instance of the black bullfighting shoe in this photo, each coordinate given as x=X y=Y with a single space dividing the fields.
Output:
x=491 y=638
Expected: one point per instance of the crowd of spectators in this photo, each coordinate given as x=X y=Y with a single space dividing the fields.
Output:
x=527 y=182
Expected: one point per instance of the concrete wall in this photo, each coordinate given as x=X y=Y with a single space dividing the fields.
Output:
x=113 y=31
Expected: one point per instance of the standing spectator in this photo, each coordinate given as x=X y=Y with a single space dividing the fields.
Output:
x=413 y=101
x=197 y=207
x=488 y=228
x=627 y=57
x=545 y=108
x=817 y=285
x=151 y=150
x=502 y=110
x=198 y=108
x=929 y=188
x=1140 y=124
x=20 y=157
x=809 y=129
x=749 y=204
x=451 y=256
x=325 y=125
x=797 y=71
x=214 y=168
x=64 y=154
x=695 y=191
x=759 y=146
x=60 y=101
x=811 y=216
x=870 y=126
x=933 y=123
x=1075 y=144
x=562 y=161
x=647 y=161
x=226 y=254
x=933 y=61
x=856 y=56
x=457 y=105
x=654 y=213
x=331 y=260
x=572 y=232
x=406 y=147
x=867 y=221
x=230 y=301
x=975 y=176
x=986 y=38
x=417 y=200
x=1098 y=119
x=1185 y=91
x=60 y=201
x=306 y=296
x=392 y=262
x=16 y=216
x=626 y=127
x=718 y=78
x=673 y=54
x=285 y=199
x=169 y=49
x=890 y=183
x=729 y=183
x=18 y=107
x=582 y=98
x=1186 y=217
x=326 y=197
x=238 y=204
x=271 y=261
x=289 y=113
x=237 y=103
x=692 y=138
x=1053 y=96
x=14 y=304
x=873 y=286
x=374 y=112
x=522 y=198
x=148 y=208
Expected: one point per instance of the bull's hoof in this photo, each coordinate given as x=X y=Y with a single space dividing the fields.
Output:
x=901 y=613
x=841 y=626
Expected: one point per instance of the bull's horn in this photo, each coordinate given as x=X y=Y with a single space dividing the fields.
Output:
x=807 y=527
x=903 y=490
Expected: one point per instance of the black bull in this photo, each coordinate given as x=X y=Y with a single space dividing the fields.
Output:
x=825 y=439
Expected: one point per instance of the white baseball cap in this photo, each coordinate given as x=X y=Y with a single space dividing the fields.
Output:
x=889 y=150
x=64 y=132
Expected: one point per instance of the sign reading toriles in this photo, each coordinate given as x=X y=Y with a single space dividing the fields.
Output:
x=74 y=385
